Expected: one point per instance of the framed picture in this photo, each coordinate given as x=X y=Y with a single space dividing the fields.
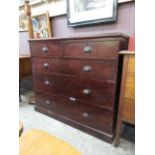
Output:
x=41 y=26
x=86 y=12
x=21 y=2
x=23 y=22
x=32 y=2
x=121 y=1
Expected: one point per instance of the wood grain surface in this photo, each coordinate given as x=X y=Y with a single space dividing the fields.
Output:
x=37 y=142
x=85 y=69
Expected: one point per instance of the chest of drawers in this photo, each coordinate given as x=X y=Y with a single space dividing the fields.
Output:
x=76 y=80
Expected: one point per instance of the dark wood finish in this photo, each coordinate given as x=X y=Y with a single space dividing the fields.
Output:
x=91 y=49
x=94 y=132
x=80 y=68
x=127 y=95
x=46 y=48
x=102 y=93
x=46 y=65
x=76 y=80
x=77 y=111
x=100 y=70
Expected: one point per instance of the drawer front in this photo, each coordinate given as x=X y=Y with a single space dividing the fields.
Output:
x=101 y=93
x=102 y=70
x=46 y=48
x=91 y=116
x=46 y=64
x=47 y=82
x=100 y=49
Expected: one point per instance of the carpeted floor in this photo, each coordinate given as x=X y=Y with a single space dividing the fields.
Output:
x=87 y=144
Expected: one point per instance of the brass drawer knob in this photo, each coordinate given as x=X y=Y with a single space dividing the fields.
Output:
x=85 y=114
x=48 y=102
x=45 y=49
x=87 y=68
x=86 y=91
x=45 y=65
x=87 y=49
x=47 y=82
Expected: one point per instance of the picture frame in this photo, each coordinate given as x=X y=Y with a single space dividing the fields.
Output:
x=122 y=1
x=32 y=2
x=86 y=12
x=23 y=22
x=41 y=27
x=21 y=3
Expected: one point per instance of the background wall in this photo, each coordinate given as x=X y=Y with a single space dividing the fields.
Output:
x=23 y=43
x=124 y=24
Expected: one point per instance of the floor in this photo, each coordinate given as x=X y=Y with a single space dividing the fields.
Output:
x=85 y=143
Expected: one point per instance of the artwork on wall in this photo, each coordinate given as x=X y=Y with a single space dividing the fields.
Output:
x=86 y=12
x=23 y=22
x=41 y=26
x=121 y=1
x=32 y=2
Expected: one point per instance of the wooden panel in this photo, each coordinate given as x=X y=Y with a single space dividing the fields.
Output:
x=46 y=65
x=129 y=110
x=25 y=68
x=89 y=115
x=46 y=48
x=102 y=93
x=101 y=70
x=131 y=64
x=48 y=83
x=85 y=68
x=129 y=94
x=37 y=142
x=100 y=49
x=130 y=87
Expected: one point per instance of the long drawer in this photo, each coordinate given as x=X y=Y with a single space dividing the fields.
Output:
x=101 y=93
x=91 y=116
x=102 y=70
x=91 y=49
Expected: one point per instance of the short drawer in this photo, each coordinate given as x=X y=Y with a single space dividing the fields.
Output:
x=93 y=50
x=91 y=116
x=46 y=48
x=96 y=69
x=47 y=82
x=46 y=64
